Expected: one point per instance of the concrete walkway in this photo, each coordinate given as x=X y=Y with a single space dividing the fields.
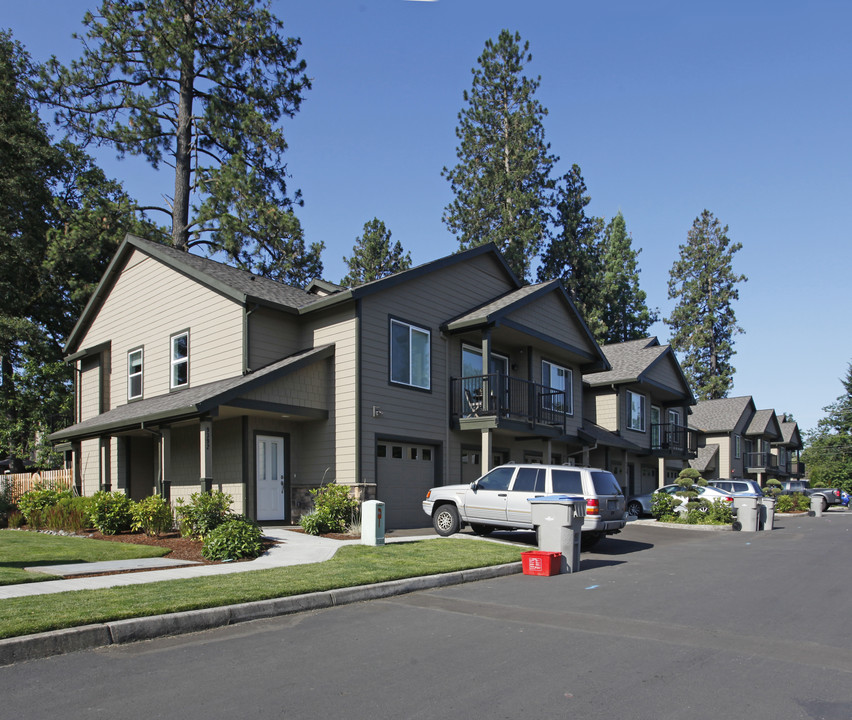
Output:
x=294 y=548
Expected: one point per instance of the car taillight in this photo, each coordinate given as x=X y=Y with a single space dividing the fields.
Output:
x=593 y=507
x=837 y=493
x=729 y=499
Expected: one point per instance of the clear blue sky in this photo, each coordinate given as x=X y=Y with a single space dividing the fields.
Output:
x=669 y=107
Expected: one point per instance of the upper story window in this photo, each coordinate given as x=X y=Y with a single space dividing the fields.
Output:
x=674 y=418
x=410 y=355
x=557 y=377
x=635 y=411
x=738 y=449
x=179 y=360
x=134 y=374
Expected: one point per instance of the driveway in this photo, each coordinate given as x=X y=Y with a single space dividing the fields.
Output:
x=659 y=624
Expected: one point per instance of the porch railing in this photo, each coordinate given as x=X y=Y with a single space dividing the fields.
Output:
x=673 y=439
x=510 y=398
x=761 y=460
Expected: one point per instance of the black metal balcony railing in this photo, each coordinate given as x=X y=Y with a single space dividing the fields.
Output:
x=761 y=460
x=797 y=468
x=507 y=397
x=673 y=439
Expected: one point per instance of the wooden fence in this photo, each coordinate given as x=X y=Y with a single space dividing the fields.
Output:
x=16 y=484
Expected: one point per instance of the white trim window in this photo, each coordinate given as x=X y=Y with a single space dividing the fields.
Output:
x=179 y=375
x=556 y=377
x=410 y=355
x=635 y=411
x=135 y=359
x=674 y=419
x=738 y=448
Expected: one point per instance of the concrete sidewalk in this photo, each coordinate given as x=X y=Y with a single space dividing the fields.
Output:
x=294 y=548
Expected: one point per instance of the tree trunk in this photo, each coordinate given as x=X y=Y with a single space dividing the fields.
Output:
x=183 y=148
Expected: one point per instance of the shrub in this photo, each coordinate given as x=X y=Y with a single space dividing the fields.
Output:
x=710 y=512
x=34 y=502
x=772 y=488
x=16 y=519
x=203 y=513
x=237 y=537
x=663 y=507
x=153 y=516
x=333 y=509
x=111 y=512
x=784 y=503
x=797 y=502
x=71 y=514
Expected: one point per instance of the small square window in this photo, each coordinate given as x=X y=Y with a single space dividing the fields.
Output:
x=396 y=452
x=412 y=453
x=382 y=451
x=426 y=454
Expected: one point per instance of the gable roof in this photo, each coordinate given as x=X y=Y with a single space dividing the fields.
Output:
x=191 y=402
x=705 y=458
x=790 y=433
x=632 y=361
x=764 y=422
x=722 y=415
x=239 y=285
x=496 y=312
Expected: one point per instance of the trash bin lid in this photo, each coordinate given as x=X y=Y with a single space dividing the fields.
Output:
x=557 y=499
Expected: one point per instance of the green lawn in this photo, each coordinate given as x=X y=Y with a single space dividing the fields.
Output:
x=352 y=565
x=31 y=549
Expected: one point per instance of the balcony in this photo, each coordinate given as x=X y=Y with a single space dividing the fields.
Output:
x=758 y=462
x=797 y=469
x=507 y=400
x=673 y=440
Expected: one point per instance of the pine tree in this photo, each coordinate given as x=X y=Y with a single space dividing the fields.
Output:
x=575 y=255
x=200 y=86
x=60 y=223
x=502 y=183
x=625 y=314
x=828 y=452
x=703 y=323
x=374 y=256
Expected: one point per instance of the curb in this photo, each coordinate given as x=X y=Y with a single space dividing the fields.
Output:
x=118 y=632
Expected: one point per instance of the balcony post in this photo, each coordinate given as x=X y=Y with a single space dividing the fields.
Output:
x=486 y=371
x=487 y=451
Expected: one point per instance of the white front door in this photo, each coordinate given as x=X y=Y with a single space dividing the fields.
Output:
x=270 y=478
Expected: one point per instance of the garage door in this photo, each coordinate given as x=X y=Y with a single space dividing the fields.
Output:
x=404 y=472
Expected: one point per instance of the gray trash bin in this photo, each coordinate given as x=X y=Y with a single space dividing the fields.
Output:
x=767 y=513
x=747 y=512
x=816 y=505
x=558 y=521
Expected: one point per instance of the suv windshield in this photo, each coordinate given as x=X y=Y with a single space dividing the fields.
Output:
x=498 y=479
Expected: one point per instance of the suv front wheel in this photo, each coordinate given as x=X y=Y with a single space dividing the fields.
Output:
x=445 y=520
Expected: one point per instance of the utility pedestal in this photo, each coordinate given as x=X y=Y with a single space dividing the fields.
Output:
x=373 y=522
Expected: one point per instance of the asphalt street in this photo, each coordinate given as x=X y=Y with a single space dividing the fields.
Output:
x=659 y=623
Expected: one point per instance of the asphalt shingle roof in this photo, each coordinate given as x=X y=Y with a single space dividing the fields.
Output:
x=720 y=415
x=628 y=360
x=705 y=457
x=761 y=423
x=189 y=402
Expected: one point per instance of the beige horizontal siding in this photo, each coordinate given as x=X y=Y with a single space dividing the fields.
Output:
x=150 y=302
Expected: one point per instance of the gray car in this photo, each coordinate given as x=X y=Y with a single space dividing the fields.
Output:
x=639 y=505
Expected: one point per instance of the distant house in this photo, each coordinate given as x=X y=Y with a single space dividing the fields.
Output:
x=193 y=375
x=637 y=414
x=736 y=440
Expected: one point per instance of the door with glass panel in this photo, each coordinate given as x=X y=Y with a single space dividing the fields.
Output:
x=271 y=480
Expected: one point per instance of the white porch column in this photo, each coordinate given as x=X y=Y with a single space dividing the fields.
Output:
x=661 y=472
x=206 y=455
x=487 y=451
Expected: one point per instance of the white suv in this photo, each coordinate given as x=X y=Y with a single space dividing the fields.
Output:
x=499 y=499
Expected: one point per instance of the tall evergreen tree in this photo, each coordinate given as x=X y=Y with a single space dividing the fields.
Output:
x=575 y=254
x=60 y=222
x=502 y=182
x=374 y=256
x=201 y=86
x=828 y=452
x=703 y=322
x=625 y=314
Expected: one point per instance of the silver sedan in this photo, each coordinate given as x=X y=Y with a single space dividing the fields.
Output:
x=639 y=505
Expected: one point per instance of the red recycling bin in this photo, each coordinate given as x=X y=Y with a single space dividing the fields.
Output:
x=540 y=562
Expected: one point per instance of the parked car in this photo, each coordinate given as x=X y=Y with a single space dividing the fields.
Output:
x=500 y=499
x=639 y=505
x=738 y=486
x=830 y=496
